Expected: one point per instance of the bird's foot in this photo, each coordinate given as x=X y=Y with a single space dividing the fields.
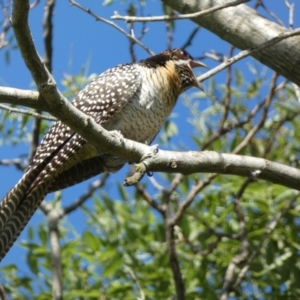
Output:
x=117 y=135
x=141 y=168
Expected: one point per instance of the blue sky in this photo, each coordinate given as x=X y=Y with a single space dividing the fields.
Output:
x=78 y=38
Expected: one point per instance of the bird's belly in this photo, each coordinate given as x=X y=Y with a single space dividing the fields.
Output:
x=138 y=122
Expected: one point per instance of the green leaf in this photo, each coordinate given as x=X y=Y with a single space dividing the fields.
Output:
x=32 y=263
x=270 y=253
x=238 y=77
x=91 y=241
x=30 y=233
x=112 y=266
x=253 y=88
x=43 y=234
x=123 y=192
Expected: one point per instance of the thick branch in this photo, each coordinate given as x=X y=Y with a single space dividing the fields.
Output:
x=21 y=97
x=209 y=161
x=242 y=27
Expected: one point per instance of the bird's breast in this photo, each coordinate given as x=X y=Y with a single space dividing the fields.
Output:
x=145 y=113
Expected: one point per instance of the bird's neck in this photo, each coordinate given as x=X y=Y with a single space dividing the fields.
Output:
x=162 y=82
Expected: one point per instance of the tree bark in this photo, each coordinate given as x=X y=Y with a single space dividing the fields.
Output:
x=244 y=28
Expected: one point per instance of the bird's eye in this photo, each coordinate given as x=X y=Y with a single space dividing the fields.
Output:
x=184 y=53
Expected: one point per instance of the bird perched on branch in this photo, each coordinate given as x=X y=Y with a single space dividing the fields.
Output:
x=134 y=99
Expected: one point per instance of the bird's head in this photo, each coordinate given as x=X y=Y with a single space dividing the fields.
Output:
x=184 y=64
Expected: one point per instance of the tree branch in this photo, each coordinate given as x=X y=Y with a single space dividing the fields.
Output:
x=131 y=37
x=26 y=112
x=55 y=251
x=209 y=161
x=17 y=162
x=84 y=197
x=174 y=263
x=21 y=97
x=129 y=19
x=3 y=295
x=136 y=281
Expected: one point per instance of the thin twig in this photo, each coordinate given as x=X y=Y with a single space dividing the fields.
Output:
x=81 y=200
x=130 y=271
x=34 y=4
x=190 y=38
x=17 y=162
x=191 y=196
x=174 y=263
x=116 y=16
x=227 y=98
x=3 y=295
x=297 y=91
x=27 y=112
x=6 y=25
x=211 y=230
x=156 y=185
x=55 y=253
x=211 y=247
x=214 y=55
x=291 y=14
x=260 y=3
x=245 y=53
x=131 y=45
x=141 y=190
x=114 y=25
x=48 y=33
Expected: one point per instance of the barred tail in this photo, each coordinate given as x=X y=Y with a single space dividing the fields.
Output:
x=17 y=208
x=15 y=196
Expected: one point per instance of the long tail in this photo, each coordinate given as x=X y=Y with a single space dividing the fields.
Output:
x=23 y=200
x=17 y=208
x=16 y=195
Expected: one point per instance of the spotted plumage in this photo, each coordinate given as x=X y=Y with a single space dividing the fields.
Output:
x=134 y=99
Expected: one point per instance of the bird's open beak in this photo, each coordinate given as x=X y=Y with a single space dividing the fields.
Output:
x=195 y=64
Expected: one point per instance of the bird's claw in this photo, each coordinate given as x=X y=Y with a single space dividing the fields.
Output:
x=141 y=168
x=117 y=135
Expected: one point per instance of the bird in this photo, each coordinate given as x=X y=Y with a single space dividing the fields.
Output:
x=133 y=99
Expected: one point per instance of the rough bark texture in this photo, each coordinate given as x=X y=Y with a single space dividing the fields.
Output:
x=242 y=27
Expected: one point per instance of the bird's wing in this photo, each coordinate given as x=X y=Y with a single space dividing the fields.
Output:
x=104 y=97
